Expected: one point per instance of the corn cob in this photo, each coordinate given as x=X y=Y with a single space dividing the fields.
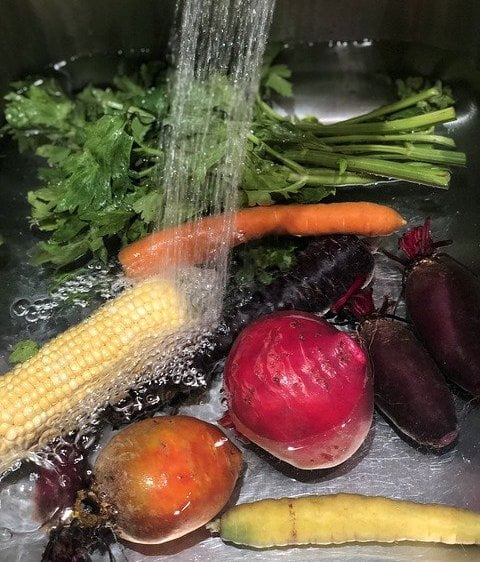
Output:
x=80 y=370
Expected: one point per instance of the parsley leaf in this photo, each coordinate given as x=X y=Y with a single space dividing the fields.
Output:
x=22 y=351
x=261 y=261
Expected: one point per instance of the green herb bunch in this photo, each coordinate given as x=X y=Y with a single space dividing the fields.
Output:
x=100 y=188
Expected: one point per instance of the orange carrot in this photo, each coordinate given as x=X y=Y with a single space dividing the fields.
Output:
x=197 y=242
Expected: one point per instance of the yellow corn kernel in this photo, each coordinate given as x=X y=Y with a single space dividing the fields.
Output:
x=79 y=369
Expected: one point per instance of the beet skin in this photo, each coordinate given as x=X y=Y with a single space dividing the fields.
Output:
x=443 y=302
x=300 y=389
x=410 y=390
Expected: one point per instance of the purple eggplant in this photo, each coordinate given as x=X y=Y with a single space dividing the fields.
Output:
x=410 y=390
x=443 y=301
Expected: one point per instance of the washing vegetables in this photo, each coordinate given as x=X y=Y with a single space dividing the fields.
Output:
x=300 y=389
x=297 y=390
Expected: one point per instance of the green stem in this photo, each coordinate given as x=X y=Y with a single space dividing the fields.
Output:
x=403 y=137
x=289 y=163
x=143 y=173
x=405 y=158
x=394 y=107
x=269 y=111
x=133 y=109
x=397 y=125
x=435 y=176
x=148 y=150
x=448 y=157
x=336 y=178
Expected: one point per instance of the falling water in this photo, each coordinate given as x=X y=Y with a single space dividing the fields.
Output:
x=218 y=49
x=217 y=53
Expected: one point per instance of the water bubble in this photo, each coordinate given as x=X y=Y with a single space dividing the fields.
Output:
x=31 y=316
x=6 y=534
x=20 y=307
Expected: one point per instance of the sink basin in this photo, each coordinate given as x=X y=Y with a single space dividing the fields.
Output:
x=345 y=57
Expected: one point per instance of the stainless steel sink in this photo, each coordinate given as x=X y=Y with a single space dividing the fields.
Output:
x=344 y=56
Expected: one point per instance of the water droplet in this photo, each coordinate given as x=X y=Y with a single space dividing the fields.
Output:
x=5 y=534
x=20 y=307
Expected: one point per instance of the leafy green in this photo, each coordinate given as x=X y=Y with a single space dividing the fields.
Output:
x=412 y=85
x=98 y=191
x=99 y=187
x=22 y=351
x=277 y=80
x=260 y=261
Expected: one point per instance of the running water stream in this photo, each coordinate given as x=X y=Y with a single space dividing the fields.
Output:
x=218 y=51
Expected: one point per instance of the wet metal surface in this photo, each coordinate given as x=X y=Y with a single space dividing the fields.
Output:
x=331 y=82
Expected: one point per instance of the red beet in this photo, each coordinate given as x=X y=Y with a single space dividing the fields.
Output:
x=300 y=389
x=410 y=390
x=443 y=302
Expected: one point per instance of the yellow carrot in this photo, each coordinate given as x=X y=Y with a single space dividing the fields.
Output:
x=196 y=242
x=343 y=518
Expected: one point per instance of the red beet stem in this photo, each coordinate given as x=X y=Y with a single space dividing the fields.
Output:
x=361 y=304
x=418 y=242
x=355 y=289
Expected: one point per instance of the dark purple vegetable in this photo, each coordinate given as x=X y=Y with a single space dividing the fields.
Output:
x=58 y=480
x=443 y=302
x=409 y=388
x=322 y=274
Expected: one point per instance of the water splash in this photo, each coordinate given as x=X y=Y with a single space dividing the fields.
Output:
x=91 y=285
x=218 y=50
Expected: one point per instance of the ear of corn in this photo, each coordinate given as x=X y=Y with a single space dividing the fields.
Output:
x=83 y=368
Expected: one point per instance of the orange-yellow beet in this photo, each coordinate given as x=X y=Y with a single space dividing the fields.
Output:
x=166 y=476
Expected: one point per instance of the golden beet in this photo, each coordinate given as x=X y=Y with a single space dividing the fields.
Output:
x=166 y=476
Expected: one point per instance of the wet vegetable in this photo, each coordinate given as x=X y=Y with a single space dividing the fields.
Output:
x=320 y=276
x=75 y=374
x=443 y=302
x=300 y=389
x=343 y=518
x=153 y=482
x=161 y=478
x=410 y=390
x=196 y=242
x=99 y=189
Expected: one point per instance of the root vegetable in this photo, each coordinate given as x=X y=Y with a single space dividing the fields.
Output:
x=196 y=242
x=164 y=477
x=410 y=390
x=300 y=389
x=344 y=518
x=443 y=302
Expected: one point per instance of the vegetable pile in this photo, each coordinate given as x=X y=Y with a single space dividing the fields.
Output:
x=99 y=189
x=195 y=242
x=295 y=385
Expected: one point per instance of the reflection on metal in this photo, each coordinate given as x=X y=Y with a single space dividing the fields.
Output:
x=331 y=82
